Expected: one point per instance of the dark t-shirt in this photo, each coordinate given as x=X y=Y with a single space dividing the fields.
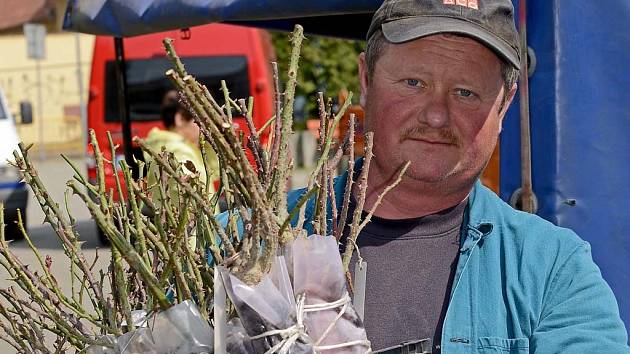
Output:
x=411 y=266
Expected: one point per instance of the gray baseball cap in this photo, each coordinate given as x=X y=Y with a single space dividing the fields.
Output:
x=491 y=22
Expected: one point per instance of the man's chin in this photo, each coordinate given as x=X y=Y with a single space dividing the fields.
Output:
x=444 y=179
x=434 y=176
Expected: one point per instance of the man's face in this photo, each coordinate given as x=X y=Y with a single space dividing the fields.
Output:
x=434 y=101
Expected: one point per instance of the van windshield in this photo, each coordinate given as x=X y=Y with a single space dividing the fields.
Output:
x=147 y=84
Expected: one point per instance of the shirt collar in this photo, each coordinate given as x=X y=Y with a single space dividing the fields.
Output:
x=475 y=217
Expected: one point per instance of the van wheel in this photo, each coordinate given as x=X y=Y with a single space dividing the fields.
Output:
x=101 y=236
x=12 y=230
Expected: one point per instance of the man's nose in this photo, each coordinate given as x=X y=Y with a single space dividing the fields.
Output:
x=436 y=112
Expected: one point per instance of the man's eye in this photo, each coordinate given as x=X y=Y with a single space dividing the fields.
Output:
x=412 y=82
x=465 y=93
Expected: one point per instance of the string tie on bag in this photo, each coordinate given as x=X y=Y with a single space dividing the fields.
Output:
x=297 y=331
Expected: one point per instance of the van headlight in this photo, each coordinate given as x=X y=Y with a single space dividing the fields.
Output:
x=9 y=174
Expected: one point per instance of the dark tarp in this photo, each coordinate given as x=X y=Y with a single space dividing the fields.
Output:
x=129 y=18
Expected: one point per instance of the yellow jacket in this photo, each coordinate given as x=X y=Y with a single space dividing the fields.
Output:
x=184 y=151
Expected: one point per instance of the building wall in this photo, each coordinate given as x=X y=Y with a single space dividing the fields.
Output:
x=57 y=122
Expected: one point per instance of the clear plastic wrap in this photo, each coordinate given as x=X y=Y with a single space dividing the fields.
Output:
x=301 y=307
x=178 y=330
x=237 y=340
x=312 y=314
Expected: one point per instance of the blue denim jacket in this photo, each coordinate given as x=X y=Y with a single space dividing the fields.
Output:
x=522 y=285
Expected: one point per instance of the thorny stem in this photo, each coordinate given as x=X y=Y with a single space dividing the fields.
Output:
x=116 y=262
x=254 y=139
x=280 y=195
x=333 y=200
x=228 y=105
x=197 y=280
x=253 y=189
x=277 y=127
x=366 y=220
x=139 y=224
x=192 y=193
x=168 y=45
x=341 y=223
x=126 y=249
x=223 y=133
x=361 y=195
x=266 y=125
x=200 y=100
x=303 y=199
x=44 y=297
x=180 y=241
x=56 y=219
x=324 y=156
x=51 y=282
x=121 y=287
x=204 y=158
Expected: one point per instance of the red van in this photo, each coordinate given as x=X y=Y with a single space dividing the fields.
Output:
x=239 y=55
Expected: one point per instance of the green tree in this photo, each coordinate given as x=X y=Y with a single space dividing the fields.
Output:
x=327 y=64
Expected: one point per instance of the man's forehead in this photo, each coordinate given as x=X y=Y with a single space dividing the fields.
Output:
x=451 y=42
x=452 y=55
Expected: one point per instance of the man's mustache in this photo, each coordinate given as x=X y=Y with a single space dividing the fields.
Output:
x=445 y=135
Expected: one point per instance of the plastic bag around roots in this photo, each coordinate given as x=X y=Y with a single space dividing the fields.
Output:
x=311 y=314
x=178 y=330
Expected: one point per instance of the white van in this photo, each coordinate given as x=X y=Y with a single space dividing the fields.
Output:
x=13 y=193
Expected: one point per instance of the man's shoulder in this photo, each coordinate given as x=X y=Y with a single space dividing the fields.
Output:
x=550 y=271
x=536 y=249
x=526 y=231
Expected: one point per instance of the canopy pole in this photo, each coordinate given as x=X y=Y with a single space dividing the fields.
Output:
x=123 y=103
x=527 y=193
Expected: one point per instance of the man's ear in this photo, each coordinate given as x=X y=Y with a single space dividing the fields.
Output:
x=363 y=77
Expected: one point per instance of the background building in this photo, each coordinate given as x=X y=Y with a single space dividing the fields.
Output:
x=56 y=85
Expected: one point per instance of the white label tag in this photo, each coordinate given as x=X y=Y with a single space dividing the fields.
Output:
x=360 y=277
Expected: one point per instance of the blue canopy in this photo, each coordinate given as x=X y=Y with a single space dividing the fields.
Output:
x=123 y=18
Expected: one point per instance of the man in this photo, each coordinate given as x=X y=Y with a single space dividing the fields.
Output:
x=448 y=261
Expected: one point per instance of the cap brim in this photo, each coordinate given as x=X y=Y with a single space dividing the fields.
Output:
x=411 y=28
